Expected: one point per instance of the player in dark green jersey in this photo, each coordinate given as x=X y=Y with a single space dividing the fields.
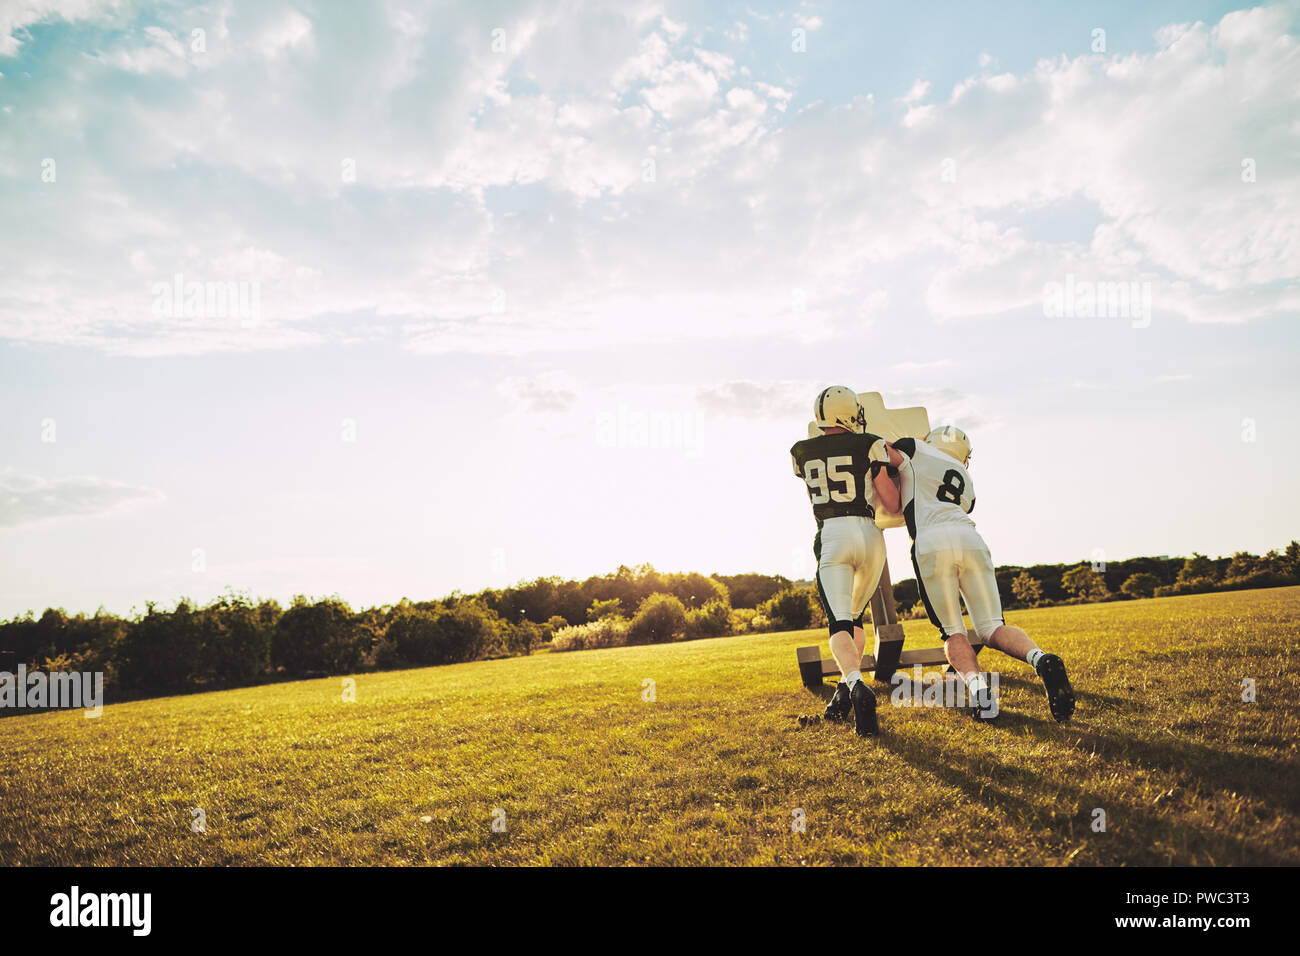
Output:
x=839 y=468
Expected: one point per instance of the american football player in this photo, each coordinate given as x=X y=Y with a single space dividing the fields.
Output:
x=837 y=468
x=952 y=563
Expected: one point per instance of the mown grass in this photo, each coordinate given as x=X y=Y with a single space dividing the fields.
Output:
x=711 y=771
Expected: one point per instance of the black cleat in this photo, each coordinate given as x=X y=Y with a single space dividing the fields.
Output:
x=985 y=708
x=1060 y=695
x=864 y=710
x=840 y=705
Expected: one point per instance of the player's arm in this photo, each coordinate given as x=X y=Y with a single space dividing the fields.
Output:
x=885 y=484
x=886 y=489
x=900 y=450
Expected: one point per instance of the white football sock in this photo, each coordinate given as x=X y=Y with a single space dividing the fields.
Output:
x=1033 y=656
x=852 y=678
x=976 y=685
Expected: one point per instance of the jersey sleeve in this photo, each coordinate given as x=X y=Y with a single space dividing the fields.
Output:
x=877 y=453
x=906 y=446
x=972 y=506
x=798 y=472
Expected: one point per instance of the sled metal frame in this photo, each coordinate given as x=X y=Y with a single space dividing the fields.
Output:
x=888 y=655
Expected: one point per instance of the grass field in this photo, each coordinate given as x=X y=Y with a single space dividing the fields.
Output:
x=711 y=771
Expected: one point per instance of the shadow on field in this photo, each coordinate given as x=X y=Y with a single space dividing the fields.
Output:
x=1208 y=768
x=1179 y=825
x=1137 y=832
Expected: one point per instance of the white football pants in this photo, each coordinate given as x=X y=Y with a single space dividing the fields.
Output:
x=952 y=564
x=852 y=557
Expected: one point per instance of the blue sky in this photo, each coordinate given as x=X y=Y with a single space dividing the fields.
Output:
x=544 y=289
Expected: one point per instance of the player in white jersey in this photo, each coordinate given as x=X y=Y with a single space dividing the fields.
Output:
x=953 y=563
x=838 y=468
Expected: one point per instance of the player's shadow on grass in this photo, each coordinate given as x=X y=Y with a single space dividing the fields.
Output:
x=1268 y=780
x=1214 y=768
x=1027 y=681
x=1146 y=826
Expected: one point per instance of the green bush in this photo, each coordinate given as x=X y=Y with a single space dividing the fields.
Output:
x=748 y=591
x=1258 y=579
x=324 y=636
x=1027 y=589
x=603 y=632
x=1189 y=586
x=741 y=620
x=1085 y=583
x=660 y=618
x=906 y=594
x=162 y=652
x=1196 y=569
x=793 y=609
x=712 y=620
x=237 y=637
x=611 y=608
x=466 y=631
x=1141 y=585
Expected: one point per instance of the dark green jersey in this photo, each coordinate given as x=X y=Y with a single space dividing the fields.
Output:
x=837 y=471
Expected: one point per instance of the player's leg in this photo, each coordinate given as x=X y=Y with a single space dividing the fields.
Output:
x=842 y=552
x=840 y=704
x=957 y=649
x=866 y=578
x=834 y=581
x=937 y=577
x=936 y=580
x=835 y=584
x=979 y=587
x=868 y=563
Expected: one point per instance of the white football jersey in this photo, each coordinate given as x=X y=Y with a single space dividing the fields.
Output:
x=936 y=488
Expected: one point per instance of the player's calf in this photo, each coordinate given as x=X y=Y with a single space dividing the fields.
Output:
x=957 y=649
x=1010 y=640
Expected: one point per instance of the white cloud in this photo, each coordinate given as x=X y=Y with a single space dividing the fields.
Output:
x=548 y=392
x=916 y=93
x=27 y=498
x=289 y=33
x=681 y=91
x=17 y=17
x=624 y=171
x=764 y=400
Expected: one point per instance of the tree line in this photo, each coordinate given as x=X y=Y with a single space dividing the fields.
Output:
x=237 y=641
x=1048 y=584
